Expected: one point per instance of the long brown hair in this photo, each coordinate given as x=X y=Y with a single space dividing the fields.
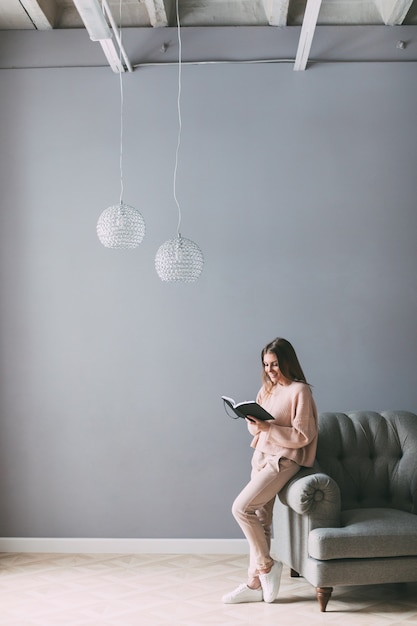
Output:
x=288 y=362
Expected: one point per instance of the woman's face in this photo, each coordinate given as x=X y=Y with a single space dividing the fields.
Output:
x=272 y=368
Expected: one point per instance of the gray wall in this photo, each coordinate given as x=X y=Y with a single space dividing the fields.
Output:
x=300 y=188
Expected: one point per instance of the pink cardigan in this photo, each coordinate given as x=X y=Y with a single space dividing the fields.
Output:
x=293 y=433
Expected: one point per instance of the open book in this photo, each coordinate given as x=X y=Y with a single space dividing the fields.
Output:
x=245 y=409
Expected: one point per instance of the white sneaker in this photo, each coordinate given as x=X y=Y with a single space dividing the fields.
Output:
x=270 y=582
x=243 y=593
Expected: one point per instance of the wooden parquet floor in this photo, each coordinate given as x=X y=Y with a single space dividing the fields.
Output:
x=179 y=590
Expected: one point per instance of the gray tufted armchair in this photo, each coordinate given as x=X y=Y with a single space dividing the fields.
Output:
x=352 y=519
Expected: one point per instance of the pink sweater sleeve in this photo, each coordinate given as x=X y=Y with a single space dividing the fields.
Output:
x=302 y=428
x=293 y=433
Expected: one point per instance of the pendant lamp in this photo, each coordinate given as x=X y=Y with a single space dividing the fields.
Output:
x=179 y=259
x=121 y=225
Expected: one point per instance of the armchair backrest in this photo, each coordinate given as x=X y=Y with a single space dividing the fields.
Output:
x=372 y=456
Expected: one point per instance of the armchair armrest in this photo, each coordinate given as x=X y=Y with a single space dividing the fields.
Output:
x=316 y=495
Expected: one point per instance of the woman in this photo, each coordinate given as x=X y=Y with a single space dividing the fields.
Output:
x=282 y=446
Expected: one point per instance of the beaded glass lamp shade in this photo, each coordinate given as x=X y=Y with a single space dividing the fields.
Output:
x=121 y=226
x=179 y=260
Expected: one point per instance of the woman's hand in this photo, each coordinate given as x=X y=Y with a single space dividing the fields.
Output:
x=256 y=426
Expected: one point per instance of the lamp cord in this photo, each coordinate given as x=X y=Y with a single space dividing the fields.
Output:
x=179 y=117
x=121 y=106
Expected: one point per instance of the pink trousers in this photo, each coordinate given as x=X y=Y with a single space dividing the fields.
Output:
x=254 y=505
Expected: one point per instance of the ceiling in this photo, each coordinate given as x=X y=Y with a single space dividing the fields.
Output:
x=44 y=15
x=47 y=14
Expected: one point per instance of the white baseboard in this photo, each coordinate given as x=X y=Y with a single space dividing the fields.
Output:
x=123 y=546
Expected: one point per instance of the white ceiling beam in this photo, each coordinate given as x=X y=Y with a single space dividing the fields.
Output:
x=118 y=37
x=159 y=11
x=41 y=12
x=112 y=55
x=93 y=17
x=307 y=32
x=276 y=12
x=393 y=11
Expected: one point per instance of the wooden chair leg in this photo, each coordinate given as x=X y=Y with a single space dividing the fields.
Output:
x=323 y=596
x=294 y=574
